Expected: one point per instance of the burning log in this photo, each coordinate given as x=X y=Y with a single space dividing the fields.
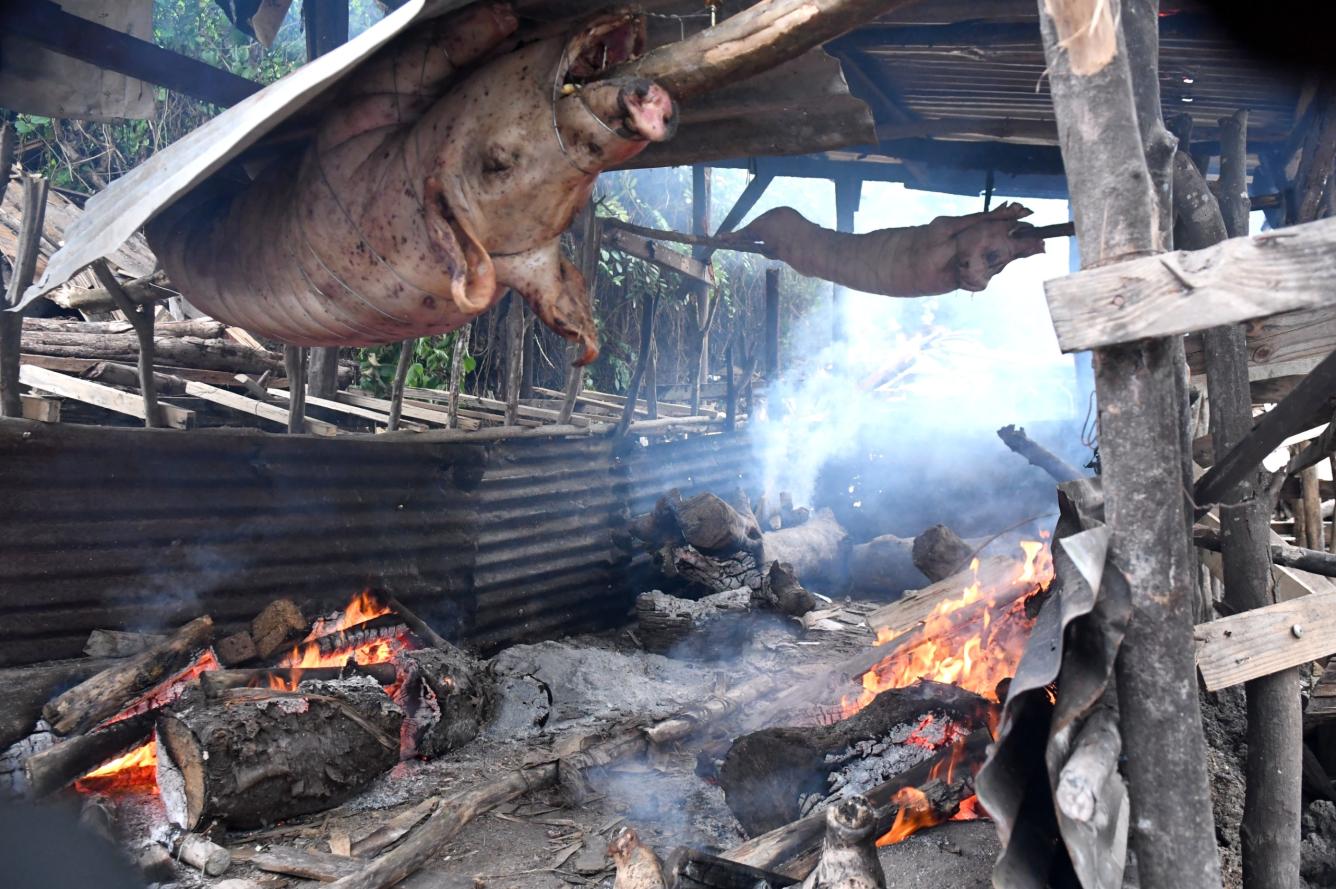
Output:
x=457 y=692
x=215 y=682
x=25 y=690
x=235 y=650
x=386 y=626
x=58 y=765
x=110 y=691
x=769 y=775
x=942 y=783
x=816 y=549
x=849 y=851
x=319 y=745
x=939 y=552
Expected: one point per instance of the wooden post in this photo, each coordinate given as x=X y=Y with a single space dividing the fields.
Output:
x=771 y=326
x=647 y=313
x=294 y=364
x=700 y=225
x=848 y=195
x=406 y=350
x=457 y=356
x=514 y=356
x=731 y=386
x=1114 y=203
x=25 y=265
x=326 y=24
x=591 y=234
x=1312 y=506
x=141 y=318
x=1272 y=805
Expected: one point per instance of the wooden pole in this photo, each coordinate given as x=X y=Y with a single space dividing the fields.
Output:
x=326 y=23
x=1272 y=805
x=294 y=365
x=25 y=265
x=700 y=225
x=141 y=318
x=731 y=387
x=591 y=234
x=514 y=356
x=1115 y=206
x=406 y=350
x=647 y=313
x=457 y=356
x=771 y=326
x=848 y=195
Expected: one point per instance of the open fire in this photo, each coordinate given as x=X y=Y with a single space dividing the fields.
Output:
x=974 y=641
x=356 y=640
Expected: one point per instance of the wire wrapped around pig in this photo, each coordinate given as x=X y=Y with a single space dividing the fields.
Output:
x=440 y=177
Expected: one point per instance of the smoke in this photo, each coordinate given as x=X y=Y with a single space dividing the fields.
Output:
x=899 y=417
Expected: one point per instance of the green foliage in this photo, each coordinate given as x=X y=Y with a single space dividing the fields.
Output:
x=430 y=368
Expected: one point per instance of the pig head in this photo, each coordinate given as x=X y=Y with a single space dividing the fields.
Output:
x=445 y=174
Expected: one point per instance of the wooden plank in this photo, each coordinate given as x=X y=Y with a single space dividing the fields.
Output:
x=617 y=402
x=914 y=606
x=1288 y=344
x=431 y=414
x=351 y=410
x=1175 y=293
x=1266 y=640
x=1291 y=583
x=643 y=248
x=41 y=408
x=47 y=24
x=493 y=409
x=96 y=394
x=245 y=405
x=1310 y=400
x=79 y=365
x=1322 y=701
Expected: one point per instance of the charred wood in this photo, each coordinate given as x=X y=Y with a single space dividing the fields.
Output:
x=849 y=850
x=767 y=774
x=1036 y=454
x=25 y=690
x=156 y=864
x=716 y=626
x=884 y=567
x=420 y=627
x=108 y=692
x=119 y=643
x=691 y=720
x=714 y=574
x=713 y=526
x=210 y=744
x=1287 y=556
x=308 y=864
x=57 y=766
x=784 y=593
x=939 y=552
x=457 y=691
x=280 y=622
x=386 y=626
x=235 y=650
x=691 y=869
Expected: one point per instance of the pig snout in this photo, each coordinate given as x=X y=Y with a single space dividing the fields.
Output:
x=649 y=113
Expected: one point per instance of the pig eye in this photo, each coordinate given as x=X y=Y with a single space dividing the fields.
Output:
x=992 y=257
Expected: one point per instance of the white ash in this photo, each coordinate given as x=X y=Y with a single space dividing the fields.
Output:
x=13 y=779
x=869 y=762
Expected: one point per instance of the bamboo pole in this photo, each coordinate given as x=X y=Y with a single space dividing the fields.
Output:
x=397 y=388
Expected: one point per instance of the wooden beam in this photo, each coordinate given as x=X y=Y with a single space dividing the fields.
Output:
x=79 y=365
x=88 y=392
x=1000 y=129
x=340 y=407
x=41 y=408
x=1266 y=640
x=1311 y=397
x=741 y=207
x=1175 y=293
x=253 y=407
x=48 y=25
x=1322 y=701
x=616 y=237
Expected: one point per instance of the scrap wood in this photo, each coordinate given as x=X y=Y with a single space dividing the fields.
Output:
x=1322 y=701
x=1266 y=640
x=309 y=864
x=915 y=607
x=372 y=842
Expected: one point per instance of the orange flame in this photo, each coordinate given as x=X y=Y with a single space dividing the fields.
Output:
x=133 y=771
x=973 y=640
x=307 y=654
x=915 y=814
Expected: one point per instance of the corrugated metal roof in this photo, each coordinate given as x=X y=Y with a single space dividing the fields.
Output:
x=146 y=528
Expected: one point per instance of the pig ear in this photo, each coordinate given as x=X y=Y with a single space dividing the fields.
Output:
x=555 y=290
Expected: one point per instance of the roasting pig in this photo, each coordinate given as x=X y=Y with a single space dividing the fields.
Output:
x=949 y=253
x=442 y=174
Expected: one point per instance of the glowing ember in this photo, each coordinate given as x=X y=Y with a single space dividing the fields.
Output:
x=134 y=771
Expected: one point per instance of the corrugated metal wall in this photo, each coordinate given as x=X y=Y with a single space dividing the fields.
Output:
x=137 y=528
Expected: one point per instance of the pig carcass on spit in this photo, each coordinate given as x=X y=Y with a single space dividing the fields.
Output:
x=442 y=175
